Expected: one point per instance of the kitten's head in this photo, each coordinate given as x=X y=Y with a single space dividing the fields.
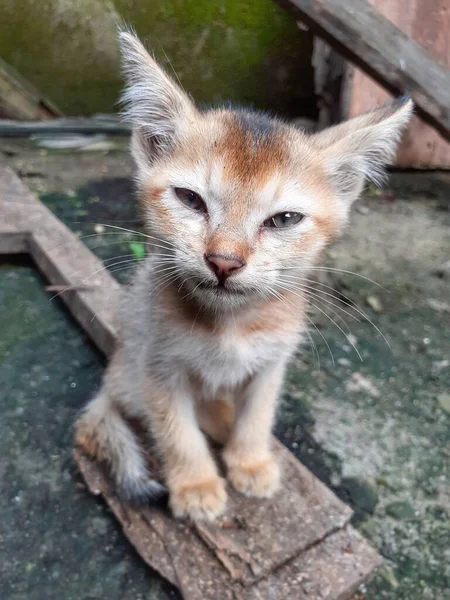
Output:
x=243 y=204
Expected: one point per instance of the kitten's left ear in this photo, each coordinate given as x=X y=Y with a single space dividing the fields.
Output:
x=155 y=105
x=360 y=148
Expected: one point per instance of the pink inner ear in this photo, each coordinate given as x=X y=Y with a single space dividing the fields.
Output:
x=391 y=119
x=148 y=144
x=369 y=145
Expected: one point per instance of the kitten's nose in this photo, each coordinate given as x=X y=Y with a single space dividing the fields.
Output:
x=223 y=266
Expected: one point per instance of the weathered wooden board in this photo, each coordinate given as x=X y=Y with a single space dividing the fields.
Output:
x=299 y=545
x=332 y=569
x=112 y=124
x=364 y=36
x=26 y=224
x=329 y=72
x=20 y=100
x=428 y=23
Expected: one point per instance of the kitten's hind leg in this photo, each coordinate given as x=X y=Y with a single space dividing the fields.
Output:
x=105 y=436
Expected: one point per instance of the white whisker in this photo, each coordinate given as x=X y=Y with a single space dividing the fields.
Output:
x=335 y=270
x=345 y=300
x=337 y=316
x=195 y=320
x=284 y=301
x=334 y=322
x=307 y=290
x=146 y=235
x=126 y=239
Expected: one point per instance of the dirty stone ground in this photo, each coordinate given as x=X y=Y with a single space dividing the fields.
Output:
x=376 y=431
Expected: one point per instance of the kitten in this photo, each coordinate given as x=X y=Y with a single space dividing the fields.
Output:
x=239 y=207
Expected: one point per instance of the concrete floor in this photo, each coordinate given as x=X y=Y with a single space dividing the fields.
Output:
x=377 y=431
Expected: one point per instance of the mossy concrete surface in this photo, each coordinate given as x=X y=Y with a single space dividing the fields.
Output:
x=56 y=542
x=376 y=431
x=220 y=50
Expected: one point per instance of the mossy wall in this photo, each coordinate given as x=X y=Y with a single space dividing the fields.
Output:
x=246 y=51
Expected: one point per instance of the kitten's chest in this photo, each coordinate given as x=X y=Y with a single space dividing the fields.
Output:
x=227 y=359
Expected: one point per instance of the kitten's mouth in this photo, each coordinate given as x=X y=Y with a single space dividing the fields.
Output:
x=221 y=289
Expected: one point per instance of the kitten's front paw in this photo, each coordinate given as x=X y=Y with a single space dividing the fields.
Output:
x=256 y=478
x=199 y=501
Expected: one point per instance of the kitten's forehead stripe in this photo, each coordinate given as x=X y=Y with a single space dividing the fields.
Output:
x=252 y=148
x=257 y=125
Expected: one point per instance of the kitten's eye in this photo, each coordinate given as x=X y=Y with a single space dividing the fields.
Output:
x=285 y=219
x=190 y=199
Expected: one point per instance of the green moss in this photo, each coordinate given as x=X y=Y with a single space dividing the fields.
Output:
x=66 y=49
x=400 y=510
x=246 y=52
x=73 y=548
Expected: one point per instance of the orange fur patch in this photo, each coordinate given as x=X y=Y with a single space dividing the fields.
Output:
x=225 y=244
x=270 y=315
x=247 y=159
x=261 y=479
x=86 y=440
x=215 y=418
x=152 y=194
x=274 y=315
x=208 y=486
x=253 y=467
x=185 y=311
x=152 y=197
x=328 y=225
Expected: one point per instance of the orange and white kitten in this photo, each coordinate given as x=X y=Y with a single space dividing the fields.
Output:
x=238 y=207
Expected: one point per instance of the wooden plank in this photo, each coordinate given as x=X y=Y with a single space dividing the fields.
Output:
x=259 y=548
x=13 y=242
x=305 y=505
x=323 y=572
x=247 y=545
x=329 y=72
x=62 y=258
x=20 y=100
x=370 y=41
x=332 y=569
x=112 y=124
x=428 y=23
x=146 y=537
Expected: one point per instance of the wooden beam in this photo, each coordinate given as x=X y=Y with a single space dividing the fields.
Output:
x=112 y=124
x=362 y=35
x=26 y=224
x=299 y=545
x=332 y=569
x=20 y=100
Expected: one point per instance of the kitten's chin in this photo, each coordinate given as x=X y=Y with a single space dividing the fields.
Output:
x=221 y=297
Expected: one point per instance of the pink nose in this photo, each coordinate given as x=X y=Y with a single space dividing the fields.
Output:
x=223 y=266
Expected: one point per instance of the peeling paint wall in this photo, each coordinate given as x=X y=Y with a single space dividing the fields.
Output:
x=246 y=51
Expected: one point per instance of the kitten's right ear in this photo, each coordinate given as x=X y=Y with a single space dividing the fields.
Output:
x=360 y=148
x=156 y=107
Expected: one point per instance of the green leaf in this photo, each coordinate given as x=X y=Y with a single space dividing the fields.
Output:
x=137 y=250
